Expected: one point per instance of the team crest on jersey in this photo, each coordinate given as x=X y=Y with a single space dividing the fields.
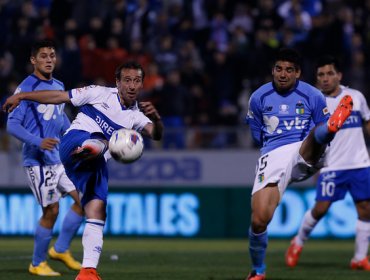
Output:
x=325 y=111
x=299 y=108
x=284 y=109
x=261 y=177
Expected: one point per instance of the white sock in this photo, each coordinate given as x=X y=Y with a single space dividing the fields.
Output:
x=362 y=240
x=307 y=225
x=92 y=242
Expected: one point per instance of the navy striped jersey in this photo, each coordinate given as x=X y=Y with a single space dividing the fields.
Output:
x=348 y=149
x=102 y=112
x=30 y=122
x=278 y=119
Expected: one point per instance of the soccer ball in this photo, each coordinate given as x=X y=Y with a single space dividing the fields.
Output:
x=126 y=145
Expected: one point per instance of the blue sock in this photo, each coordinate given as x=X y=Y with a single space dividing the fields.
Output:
x=42 y=240
x=71 y=224
x=322 y=134
x=257 y=250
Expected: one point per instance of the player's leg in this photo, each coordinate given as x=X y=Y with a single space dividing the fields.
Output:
x=310 y=220
x=331 y=186
x=71 y=223
x=90 y=176
x=92 y=238
x=315 y=143
x=273 y=174
x=360 y=259
x=95 y=146
x=360 y=192
x=41 y=179
x=264 y=203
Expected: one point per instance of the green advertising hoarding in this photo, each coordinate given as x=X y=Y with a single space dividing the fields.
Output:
x=184 y=212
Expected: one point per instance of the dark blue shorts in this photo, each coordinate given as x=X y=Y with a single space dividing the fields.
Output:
x=333 y=185
x=89 y=177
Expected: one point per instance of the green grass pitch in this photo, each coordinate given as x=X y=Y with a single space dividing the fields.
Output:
x=182 y=259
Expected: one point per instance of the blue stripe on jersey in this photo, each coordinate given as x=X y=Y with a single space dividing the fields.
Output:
x=354 y=120
x=59 y=82
x=303 y=95
x=35 y=85
x=263 y=96
x=104 y=122
x=41 y=182
x=38 y=123
x=49 y=82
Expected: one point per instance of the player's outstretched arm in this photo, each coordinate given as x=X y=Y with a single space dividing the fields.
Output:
x=155 y=129
x=42 y=96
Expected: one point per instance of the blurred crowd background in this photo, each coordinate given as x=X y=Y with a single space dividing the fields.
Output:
x=203 y=58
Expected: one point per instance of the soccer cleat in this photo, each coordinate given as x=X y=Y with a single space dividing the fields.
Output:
x=341 y=113
x=43 y=269
x=254 y=276
x=364 y=264
x=66 y=258
x=90 y=149
x=88 y=274
x=293 y=253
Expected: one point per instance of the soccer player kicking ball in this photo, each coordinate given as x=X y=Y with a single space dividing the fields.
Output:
x=347 y=167
x=82 y=148
x=290 y=120
x=40 y=127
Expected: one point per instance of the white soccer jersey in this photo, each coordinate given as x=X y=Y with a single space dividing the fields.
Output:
x=101 y=111
x=348 y=149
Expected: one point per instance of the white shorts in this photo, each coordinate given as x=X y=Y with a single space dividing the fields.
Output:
x=48 y=183
x=283 y=166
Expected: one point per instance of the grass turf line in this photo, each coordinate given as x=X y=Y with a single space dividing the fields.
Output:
x=192 y=259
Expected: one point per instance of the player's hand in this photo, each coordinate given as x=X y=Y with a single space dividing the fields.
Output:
x=149 y=110
x=11 y=103
x=48 y=143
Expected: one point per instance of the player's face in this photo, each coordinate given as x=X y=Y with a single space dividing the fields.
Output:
x=129 y=85
x=285 y=75
x=328 y=80
x=44 y=63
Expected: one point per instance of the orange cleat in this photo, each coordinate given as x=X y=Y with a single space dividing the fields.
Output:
x=254 y=276
x=364 y=264
x=91 y=149
x=293 y=253
x=88 y=274
x=340 y=115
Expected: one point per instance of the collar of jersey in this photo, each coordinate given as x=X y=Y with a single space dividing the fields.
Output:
x=44 y=81
x=288 y=92
x=133 y=106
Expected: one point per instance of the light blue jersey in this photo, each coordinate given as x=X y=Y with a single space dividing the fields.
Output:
x=279 y=119
x=30 y=122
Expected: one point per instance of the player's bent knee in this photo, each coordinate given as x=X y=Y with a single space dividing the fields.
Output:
x=259 y=223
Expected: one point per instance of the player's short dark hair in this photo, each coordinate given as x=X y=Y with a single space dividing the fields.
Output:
x=42 y=44
x=129 y=65
x=290 y=55
x=329 y=60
